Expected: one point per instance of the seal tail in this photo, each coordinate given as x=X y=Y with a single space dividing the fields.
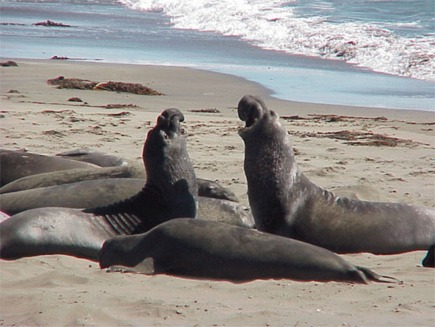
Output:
x=370 y=275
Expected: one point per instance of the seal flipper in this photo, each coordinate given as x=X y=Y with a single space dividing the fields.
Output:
x=429 y=259
x=371 y=275
x=145 y=267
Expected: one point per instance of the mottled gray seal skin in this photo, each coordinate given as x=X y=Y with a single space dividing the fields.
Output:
x=17 y=164
x=210 y=189
x=284 y=202
x=206 y=187
x=213 y=250
x=70 y=176
x=170 y=192
x=86 y=194
x=102 y=192
x=95 y=157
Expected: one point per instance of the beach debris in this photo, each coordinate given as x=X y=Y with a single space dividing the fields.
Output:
x=75 y=99
x=333 y=118
x=134 y=88
x=8 y=63
x=206 y=110
x=362 y=138
x=83 y=84
x=120 y=105
x=72 y=83
x=59 y=58
x=50 y=23
x=120 y=114
x=13 y=91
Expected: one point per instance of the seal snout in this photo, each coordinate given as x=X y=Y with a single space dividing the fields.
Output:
x=250 y=109
x=170 y=119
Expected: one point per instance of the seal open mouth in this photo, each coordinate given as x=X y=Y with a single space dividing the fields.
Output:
x=250 y=110
x=169 y=121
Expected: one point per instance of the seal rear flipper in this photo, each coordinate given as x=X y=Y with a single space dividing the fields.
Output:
x=371 y=275
x=145 y=267
x=429 y=259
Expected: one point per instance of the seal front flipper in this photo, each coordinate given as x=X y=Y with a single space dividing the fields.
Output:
x=145 y=267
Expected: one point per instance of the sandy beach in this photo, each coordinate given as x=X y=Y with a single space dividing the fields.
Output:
x=337 y=147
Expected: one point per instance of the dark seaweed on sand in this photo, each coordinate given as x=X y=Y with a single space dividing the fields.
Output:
x=83 y=84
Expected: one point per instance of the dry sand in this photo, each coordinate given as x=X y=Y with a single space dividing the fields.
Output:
x=65 y=291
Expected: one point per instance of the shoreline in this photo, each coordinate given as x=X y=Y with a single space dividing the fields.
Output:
x=283 y=106
x=58 y=290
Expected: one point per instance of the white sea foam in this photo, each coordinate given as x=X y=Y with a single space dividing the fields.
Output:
x=273 y=25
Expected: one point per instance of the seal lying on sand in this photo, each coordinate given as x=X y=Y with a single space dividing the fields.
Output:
x=212 y=250
x=102 y=192
x=17 y=164
x=109 y=166
x=170 y=192
x=69 y=176
x=284 y=202
x=95 y=157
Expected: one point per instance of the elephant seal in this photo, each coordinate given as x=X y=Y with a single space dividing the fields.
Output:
x=17 y=164
x=213 y=250
x=284 y=202
x=95 y=157
x=102 y=192
x=69 y=176
x=170 y=192
x=111 y=167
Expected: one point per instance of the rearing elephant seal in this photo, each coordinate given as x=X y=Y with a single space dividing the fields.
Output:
x=170 y=192
x=213 y=250
x=284 y=202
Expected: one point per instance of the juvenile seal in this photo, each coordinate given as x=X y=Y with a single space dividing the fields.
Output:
x=102 y=192
x=109 y=166
x=284 y=202
x=213 y=250
x=69 y=176
x=170 y=192
x=17 y=164
x=95 y=157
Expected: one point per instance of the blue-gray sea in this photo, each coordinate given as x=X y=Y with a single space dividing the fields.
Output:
x=353 y=52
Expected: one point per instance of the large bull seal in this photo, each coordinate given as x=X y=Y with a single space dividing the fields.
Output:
x=213 y=250
x=170 y=192
x=284 y=202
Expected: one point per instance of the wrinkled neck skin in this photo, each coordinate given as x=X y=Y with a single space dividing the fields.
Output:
x=170 y=172
x=170 y=191
x=272 y=174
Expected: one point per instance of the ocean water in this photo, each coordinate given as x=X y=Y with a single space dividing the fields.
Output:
x=353 y=52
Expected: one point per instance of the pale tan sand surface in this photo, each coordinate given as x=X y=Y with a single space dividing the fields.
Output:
x=66 y=291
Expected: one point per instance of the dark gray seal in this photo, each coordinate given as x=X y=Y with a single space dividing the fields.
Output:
x=109 y=166
x=284 y=202
x=170 y=192
x=95 y=157
x=69 y=176
x=212 y=250
x=102 y=192
x=17 y=164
